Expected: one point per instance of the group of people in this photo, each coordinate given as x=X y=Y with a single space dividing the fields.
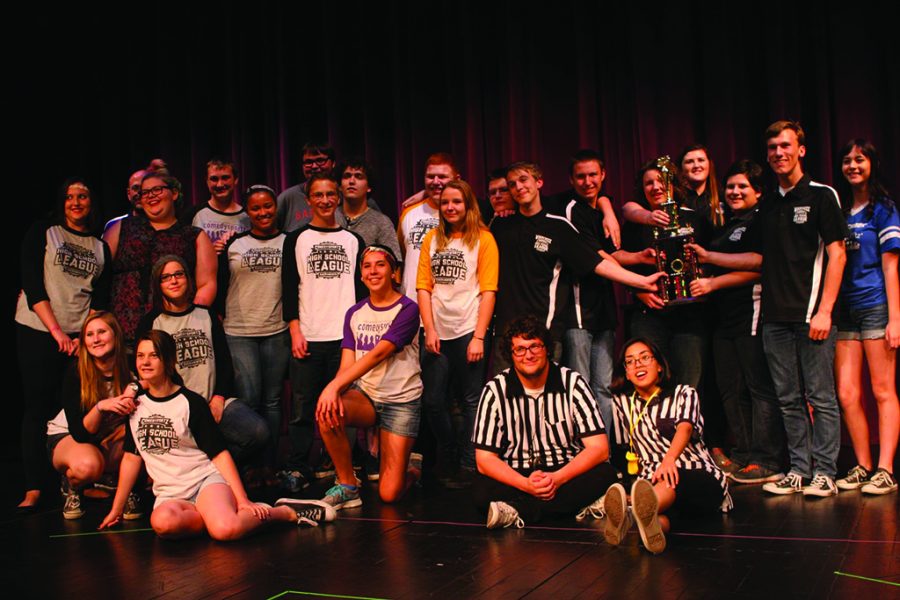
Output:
x=186 y=322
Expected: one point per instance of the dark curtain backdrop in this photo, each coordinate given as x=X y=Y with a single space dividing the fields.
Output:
x=100 y=92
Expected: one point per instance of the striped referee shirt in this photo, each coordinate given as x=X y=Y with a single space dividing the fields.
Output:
x=543 y=432
x=654 y=426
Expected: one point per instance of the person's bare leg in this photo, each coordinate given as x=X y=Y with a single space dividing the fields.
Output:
x=358 y=412
x=395 y=477
x=82 y=464
x=176 y=519
x=882 y=371
x=224 y=522
x=848 y=364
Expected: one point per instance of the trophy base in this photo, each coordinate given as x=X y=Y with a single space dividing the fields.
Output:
x=688 y=300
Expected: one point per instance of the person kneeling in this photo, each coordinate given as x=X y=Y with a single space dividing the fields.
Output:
x=195 y=481
x=540 y=444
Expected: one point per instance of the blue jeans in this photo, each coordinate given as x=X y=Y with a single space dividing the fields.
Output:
x=260 y=367
x=309 y=376
x=800 y=364
x=591 y=354
x=439 y=372
x=245 y=432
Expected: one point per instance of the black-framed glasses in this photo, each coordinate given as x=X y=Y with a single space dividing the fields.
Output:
x=642 y=360
x=165 y=277
x=318 y=161
x=154 y=191
x=520 y=351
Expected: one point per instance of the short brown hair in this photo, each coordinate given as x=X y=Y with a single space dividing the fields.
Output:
x=523 y=165
x=775 y=129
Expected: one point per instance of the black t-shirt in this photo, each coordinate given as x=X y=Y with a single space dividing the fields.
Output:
x=538 y=255
x=796 y=228
x=737 y=307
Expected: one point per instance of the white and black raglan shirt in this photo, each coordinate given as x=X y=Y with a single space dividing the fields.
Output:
x=320 y=280
x=68 y=268
x=201 y=349
x=796 y=227
x=177 y=439
x=249 y=279
x=526 y=430
x=218 y=224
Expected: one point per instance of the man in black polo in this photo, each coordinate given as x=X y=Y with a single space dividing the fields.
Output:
x=803 y=260
x=535 y=247
x=560 y=466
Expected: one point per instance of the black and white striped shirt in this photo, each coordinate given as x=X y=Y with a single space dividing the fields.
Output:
x=654 y=426
x=543 y=432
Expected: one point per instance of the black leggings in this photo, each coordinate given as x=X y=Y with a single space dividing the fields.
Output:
x=42 y=366
x=570 y=498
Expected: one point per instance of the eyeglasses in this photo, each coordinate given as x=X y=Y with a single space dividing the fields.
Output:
x=520 y=351
x=319 y=161
x=165 y=277
x=642 y=360
x=154 y=191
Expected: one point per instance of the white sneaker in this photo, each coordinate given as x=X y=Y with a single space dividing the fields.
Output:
x=501 y=514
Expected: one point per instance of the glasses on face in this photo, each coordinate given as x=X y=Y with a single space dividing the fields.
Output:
x=319 y=161
x=643 y=360
x=166 y=277
x=520 y=351
x=323 y=195
x=154 y=191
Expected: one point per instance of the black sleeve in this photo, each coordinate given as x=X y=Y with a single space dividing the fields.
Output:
x=145 y=324
x=32 y=264
x=203 y=427
x=224 y=366
x=129 y=445
x=70 y=399
x=100 y=295
x=189 y=212
x=577 y=253
x=290 y=278
x=223 y=278
x=360 y=288
x=832 y=223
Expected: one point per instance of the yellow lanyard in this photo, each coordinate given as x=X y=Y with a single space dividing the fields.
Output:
x=631 y=456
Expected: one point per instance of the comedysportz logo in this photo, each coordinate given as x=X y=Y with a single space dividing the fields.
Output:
x=327 y=260
x=369 y=334
x=192 y=348
x=448 y=266
x=76 y=260
x=156 y=434
x=261 y=260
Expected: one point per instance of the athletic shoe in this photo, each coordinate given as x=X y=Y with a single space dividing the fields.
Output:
x=309 y=512
x=341 y=496
x=373 y=467
x=72 y=505
x=821 y=486
x=415 y=461
x=501 y=514
x=723 y=462
x=753 y=473
x=325 y=468
x=133 y=510
x=856 y=477
x=645 y=507
x=881 y=483
x=292 y=482
x=618 y=519
x=792 y=483
x=595 y=510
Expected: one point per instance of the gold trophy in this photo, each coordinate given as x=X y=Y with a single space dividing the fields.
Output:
x=673 y=257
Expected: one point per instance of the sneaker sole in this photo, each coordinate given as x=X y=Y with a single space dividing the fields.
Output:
x=71 y=516
x=877 y=491
x=616 y=508
x=781 y=491
x=819 y=493
x=645 y=506
x=849 y=487
x=756 y=480
x=132 y=516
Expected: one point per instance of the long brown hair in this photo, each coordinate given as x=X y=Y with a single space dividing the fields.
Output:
x=472 y=225
x=716 y=214
x=92 y=380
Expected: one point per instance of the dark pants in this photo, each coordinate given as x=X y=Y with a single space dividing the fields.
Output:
x=42 y=366
x=681 y=337
x=750 y=402
x=570 y=498
x=309 y=376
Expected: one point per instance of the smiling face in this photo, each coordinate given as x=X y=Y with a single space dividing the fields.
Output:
x=157 y=199
x=324 y=199
x=436 y=177
x=316 y=162
x=856 y=167
x=173 y=282
x=533 y=359
x=695 y=167
x=654 y=189
x=524 y=188
x=641 y=367
x=149 y=364
x=376 y=271
x=587 y=179
x=261 y=209
x=453 y=207
x=739 y=194
x=99 y=339
x=783 y=153
x=221 y=182
x=77 y=206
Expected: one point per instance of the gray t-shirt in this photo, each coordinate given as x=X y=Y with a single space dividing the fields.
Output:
x=373 y=227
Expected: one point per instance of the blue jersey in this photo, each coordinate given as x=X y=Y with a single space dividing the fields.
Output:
x=871 y=235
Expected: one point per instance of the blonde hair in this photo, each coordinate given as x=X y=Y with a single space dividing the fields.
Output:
x=471 y=226
x=92 y=379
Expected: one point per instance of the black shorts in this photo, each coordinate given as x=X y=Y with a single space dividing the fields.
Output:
x=698 y=492
x=52 y=441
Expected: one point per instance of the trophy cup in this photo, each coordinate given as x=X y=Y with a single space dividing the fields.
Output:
x=673 y=257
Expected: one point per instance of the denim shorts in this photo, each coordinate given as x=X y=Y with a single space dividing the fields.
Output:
x=401 y=418
x=862 y=323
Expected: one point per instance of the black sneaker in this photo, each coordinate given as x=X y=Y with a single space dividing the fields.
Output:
x=821 y=486
x=881 y=483
x=753 y=473
x=292 y=482
x=373 y=467
x=856 y=477
x=325 y=468
x=792 y=483
x=309 y=512
x=133 y=510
